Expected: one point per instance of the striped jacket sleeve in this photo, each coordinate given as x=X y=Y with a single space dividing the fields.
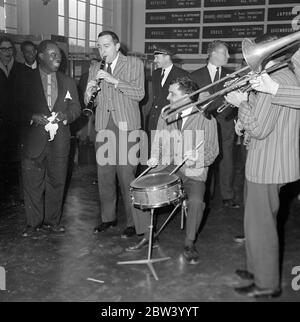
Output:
x=134 y=88
x=290 y=95
x=211 y=145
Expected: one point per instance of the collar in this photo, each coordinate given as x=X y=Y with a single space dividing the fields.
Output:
x=9 y=66
x=168 y=69
x=114 y=63
x=44 y=74
x=33 y=66
x=187 y=112
x=212 y=67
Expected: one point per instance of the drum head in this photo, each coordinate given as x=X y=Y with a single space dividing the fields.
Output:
x=154 y=180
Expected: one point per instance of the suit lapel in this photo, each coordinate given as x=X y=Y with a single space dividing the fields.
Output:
x=60 y=90
x=120 y=64
x=40 y=91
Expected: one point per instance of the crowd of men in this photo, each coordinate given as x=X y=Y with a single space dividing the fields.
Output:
x=38 y=103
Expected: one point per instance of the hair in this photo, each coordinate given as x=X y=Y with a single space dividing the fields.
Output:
x=187 y=86
x=213 y=45
x=44 y=45
x=4 y=38
x=27 y=43
x=110 y=33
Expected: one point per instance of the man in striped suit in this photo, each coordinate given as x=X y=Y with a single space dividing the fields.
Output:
x=272 y=162
x=122 y=87
x=194 y=172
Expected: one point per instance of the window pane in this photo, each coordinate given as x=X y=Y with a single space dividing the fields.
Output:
x=61 y=26
x=11 y=30
x=72 y=41
x=92 y=44
x=11 y=16
x=72 y=28
x=81 y=10
x=99 y=29
x=93 y=2
x=14 y=2
x=73 y=8
x=81 y=29
x=99 y=15
x=81 y=43
x=93 y=32
x=61 y=7
x=100 y=3
x=93 y=14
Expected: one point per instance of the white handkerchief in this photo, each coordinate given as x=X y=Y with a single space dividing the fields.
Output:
x=68 y=96
x=52 y=127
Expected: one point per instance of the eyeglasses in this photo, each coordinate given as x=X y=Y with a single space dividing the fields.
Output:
x=6 y=49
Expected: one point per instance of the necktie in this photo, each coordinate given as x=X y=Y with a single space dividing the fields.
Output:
x=49 y=92
x=179 y=121
x=109 y=68
x=162 y=77
x=217 y=75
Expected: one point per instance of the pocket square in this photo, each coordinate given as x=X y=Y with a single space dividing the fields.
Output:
x=68 y=96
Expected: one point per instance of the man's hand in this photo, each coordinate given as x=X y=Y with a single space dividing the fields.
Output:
x=39 y=119
x=235 y=98
x=60 y=117
x=152 y=162
x=264 y=83
x=91 y=88
x=238 y=126
x=192 y=157
x=102 y=74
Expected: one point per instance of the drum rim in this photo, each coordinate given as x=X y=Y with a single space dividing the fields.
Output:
x=171 y=184
x=166 y=185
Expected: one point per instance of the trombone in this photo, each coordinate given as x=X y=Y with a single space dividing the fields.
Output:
x=254 y=55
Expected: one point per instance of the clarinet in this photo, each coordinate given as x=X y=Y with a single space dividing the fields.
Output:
x=91 y=107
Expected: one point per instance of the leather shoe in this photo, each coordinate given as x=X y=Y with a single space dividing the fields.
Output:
x=244 y=274
x=104 y=226
x=191 y=254
x=240 y=239
x=253 y=290
x=128 y=232
x=142 y=244
x=229 y=203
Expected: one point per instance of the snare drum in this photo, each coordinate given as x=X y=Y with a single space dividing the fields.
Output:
x=156 y=190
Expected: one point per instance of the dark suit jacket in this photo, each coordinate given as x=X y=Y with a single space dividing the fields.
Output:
x=35 y=138
x=160 y=94
x=202 y=78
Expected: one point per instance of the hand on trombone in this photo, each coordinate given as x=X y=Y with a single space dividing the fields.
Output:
x=264 y=83
x=235 y=98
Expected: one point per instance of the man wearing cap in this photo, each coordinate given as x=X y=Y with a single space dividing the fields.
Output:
x=162 y=77
x=218 y=57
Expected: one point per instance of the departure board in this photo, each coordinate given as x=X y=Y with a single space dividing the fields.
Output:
x=188 y=26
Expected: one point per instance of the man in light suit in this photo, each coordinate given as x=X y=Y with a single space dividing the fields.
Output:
x=272 y=161
x=45 y=91
x=162 y=77
x=122 y=87
x=218 y=57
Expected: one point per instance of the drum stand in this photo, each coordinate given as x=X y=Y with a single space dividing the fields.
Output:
x=149 y=261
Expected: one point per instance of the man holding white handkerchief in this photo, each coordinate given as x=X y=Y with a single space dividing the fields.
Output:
x=49 y=104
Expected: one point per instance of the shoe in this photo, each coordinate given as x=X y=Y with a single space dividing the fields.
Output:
x=142 y=244
x=254 y=291
x=239 y=239
x=104 y=226
x=128 y=232
x=244 y=274
x=29 y=231
x=229 y=203
x=52 y=228
x=191 y=254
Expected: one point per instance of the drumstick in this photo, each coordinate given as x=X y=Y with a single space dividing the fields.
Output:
x=184 y=160
x=147 y=170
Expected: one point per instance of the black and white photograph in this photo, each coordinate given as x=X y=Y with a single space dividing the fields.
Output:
x=149 y=154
